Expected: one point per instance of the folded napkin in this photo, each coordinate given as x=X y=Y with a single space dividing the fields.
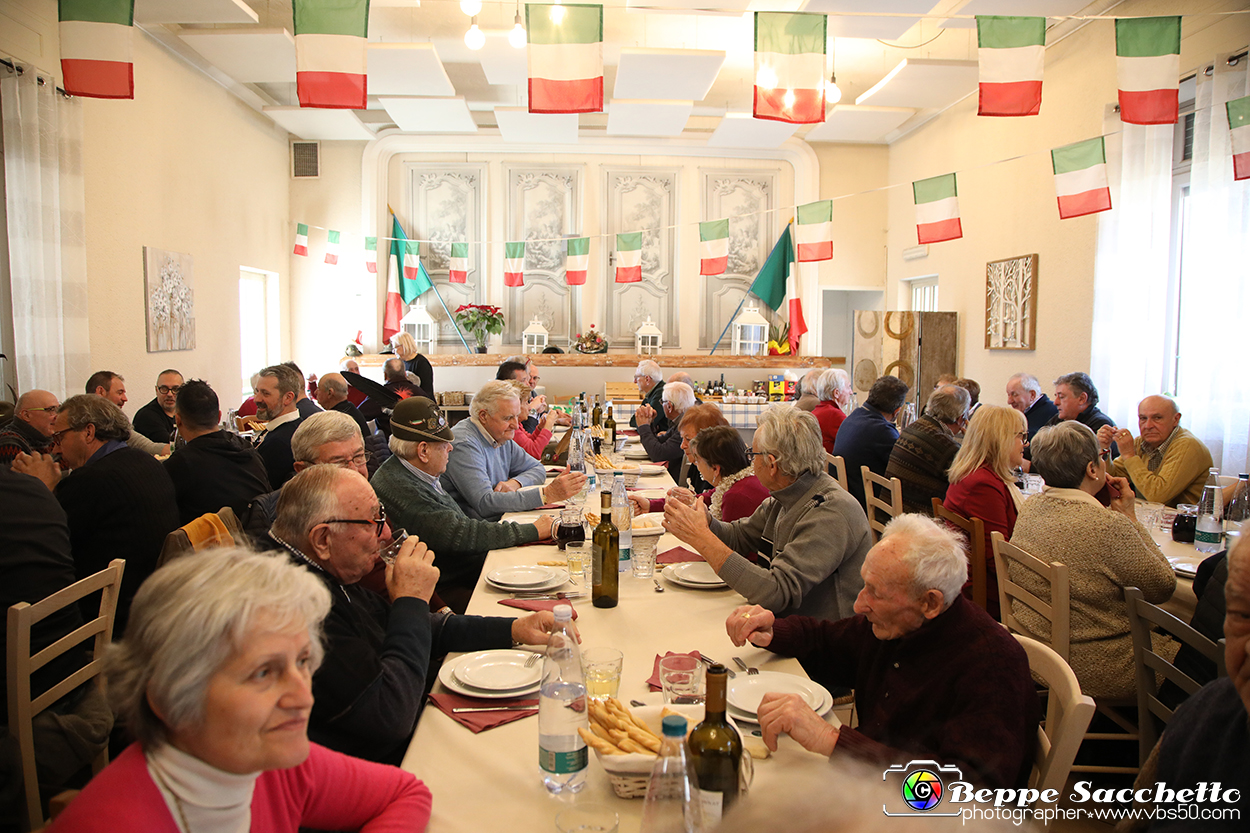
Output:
x=654 y=679
x=537 y=604
x=481 y=721
x=546 y=542
x=551 y=506
x=677 y=555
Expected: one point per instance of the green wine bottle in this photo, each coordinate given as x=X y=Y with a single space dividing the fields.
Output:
x=716 y=751
x=606 y=552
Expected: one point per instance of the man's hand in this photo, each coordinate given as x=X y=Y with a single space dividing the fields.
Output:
x=42 y=466
x=644 y=414
x=1106 y=435
x=682 y=494
x=750 y=623
x=1123 y=438
x=543 y=524
x=642 y=505
x=535 y=628
x=689 y=523
x=1124 y=502
x=413 y=573
x=538 y=404
x=508 y=486
x=565 y=485
x=788 y=713
x=563 y=419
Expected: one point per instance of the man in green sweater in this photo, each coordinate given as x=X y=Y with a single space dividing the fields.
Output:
x=408 y=485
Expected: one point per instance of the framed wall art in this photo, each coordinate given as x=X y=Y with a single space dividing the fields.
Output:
x=169 y=300
x=1011 y=303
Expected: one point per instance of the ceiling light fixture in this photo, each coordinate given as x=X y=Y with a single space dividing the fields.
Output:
x=475 y=39
x=471 y=7
x=517 y=36
x=766 y=78
x=557 y=14
x=833 y=94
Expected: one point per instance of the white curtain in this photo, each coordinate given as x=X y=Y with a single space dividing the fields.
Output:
x=1212 y=384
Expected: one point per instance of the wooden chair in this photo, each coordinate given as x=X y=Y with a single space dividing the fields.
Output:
x=1142 y=615
x=839 y=469
x=974 y=529
x=180 y=542
x=893 y=507
x=21 y=664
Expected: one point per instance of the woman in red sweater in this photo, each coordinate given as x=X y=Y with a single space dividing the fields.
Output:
x=534 y=443
x=833 y=388
x=983 y=483
x=721 y=457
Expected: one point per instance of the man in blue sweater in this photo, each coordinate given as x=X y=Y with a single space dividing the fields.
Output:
x=867 y=435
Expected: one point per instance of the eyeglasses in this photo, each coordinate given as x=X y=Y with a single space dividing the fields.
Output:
x=360 y=458
x=165 y=390
x=57 y=435
x=1105 y=454
x=751 y=455
x=378 y=522
x=1024 y=437
x=49 y=408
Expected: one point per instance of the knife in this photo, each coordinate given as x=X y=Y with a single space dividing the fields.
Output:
x=496 y=709
x=548 y=596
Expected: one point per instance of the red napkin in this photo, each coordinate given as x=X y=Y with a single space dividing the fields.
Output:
x=545 y=542
x=537 y=604
x=481 y=721
x=552 y=506
x=677 y=555
x=654 y=679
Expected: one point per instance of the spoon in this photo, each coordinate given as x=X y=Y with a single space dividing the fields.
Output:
x=658 y=587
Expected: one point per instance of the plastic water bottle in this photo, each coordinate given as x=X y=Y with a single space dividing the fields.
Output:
x=1238 y=509
x=1209 y=536
x=562 y=755
x=622 y=516
x=672 y=802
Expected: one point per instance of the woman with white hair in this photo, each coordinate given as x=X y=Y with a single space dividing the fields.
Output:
x=833 y=389
x=663 y=446
x=214 y=679
x=533 y=442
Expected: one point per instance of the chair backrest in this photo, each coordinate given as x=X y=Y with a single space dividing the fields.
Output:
x=203 y=532
x=974 y=529
x=1068 y=713
x=21 y=664
x=1057 y=611
x=1142 y=618
x=893 y=507
x=621 y=393
x=839 y=468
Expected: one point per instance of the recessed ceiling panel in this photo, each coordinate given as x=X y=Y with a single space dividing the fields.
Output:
x=923 y=83
x=430 y=115
x=741 y=130
x=517 y=124
x=668 y=74
x=853 y=123
x=502 y=62
x=648 y=118
x=323 y=125
x=847 y=18
x=247 y=55
x=1024 y=8
x=730 y=7
x=232 y=12
x=407 y=69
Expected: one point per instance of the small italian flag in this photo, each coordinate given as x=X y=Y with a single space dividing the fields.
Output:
x=577 y=261
x=1239 y=125
x=790 y=67
x=1012 y=51
x=371 y=255
x=1148 y=61
x=95 y=47
x=330 y=58
x=629 y=257
x=937 y=209
x=514 y=264
x=459 y=269
x=301 y=240
x=332 y=247
x=565 y=58
x=713 y=247
x=813 y=233
x=1081 y=178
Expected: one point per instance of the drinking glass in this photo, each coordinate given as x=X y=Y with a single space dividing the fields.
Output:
x=389 y=553
x=682 y=679
x=587 y=818
x=602 y=669
x=642 y=555
x=1186 y=523
x=581 y=565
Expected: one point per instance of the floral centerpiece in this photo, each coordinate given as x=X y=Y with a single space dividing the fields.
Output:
x=481 y=320
x=592 y=341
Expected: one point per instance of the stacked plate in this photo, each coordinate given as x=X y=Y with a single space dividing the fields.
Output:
x=745 y=691
x=635 y=452
x=527 y=579
x=698 y=575
x=492 y=675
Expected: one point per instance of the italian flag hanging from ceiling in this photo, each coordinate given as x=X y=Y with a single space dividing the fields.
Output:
x=713 y=247
x=514 y=264
x=95 y=38
x=458 y=272
x=1239 y=124
x=1148 y=62
x=629 y=257
x=371 y=255
x=577 y=262
x=331 y=61
x=565 y=58
x=790 y=67
x=813 y=233
x=332 y=247
x=937 y=209
x=1011 y=52
x=1081 y=178
x=301 y=240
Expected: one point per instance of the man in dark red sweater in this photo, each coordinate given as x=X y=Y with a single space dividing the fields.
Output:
x=934 y=676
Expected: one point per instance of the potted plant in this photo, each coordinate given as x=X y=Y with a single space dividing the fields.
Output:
x=592 y=341
x=481 y=320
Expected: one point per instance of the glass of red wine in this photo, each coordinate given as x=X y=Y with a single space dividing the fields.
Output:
x=570 y=528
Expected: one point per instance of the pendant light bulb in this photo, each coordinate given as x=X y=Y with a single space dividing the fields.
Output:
x=517 y=36
x=557 y=14
x=833 y=94
x=475 y=39
x=471 y=7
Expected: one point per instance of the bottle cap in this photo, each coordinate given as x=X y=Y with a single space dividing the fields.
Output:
x=563 y=613
x=674 y=726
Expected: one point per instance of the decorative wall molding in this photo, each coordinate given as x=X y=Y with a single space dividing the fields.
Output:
x=544 y=207
x=640 y=199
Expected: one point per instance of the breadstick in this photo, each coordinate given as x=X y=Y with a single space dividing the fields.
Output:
x=651 y=742
x=597 y=743
x=599 y=730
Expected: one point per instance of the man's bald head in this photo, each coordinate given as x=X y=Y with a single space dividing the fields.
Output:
x=37 y=408
x=331 y=390
x=1160 y=401
x=1157 y=418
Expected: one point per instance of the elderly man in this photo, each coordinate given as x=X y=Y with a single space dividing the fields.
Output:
x=408 y=483
x=809 y=536
x=276 y=393
x=867 y=436
x=1166 y=464
x=112 y=387
x=31 y=428
x=155 y=420
x=665 y=446
x=215 y=468
x=368 y=690
x=119 y=501
x=1024 y=393
x=487 y=473
x=650 y=381
x=925 y=448
x=936 y=677
x=332 y=391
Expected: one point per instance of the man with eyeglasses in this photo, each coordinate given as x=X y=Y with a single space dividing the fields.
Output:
x=155 y=420
x=924 y=450
x=112 y=386
x=31 y=428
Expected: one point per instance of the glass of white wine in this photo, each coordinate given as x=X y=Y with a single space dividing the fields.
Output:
x=602 y=670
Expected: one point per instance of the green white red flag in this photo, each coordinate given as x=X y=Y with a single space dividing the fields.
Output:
x=514 y=264
x=777 y=284
x=301 y=240
x=1148 y=63
x=577 y=261
x=1081 y=178
x=414 y=281
x=565 y=58
x=331 y=61
x=790 y=67
x=713 y=247
x=95 y=41
x=332 y=247
x=629 y=257
x=1239 y=126
x=937 y=209
x=371 y=255
x=813 y=233
x=458 y=272
x=394 y=310
x=1011 y=52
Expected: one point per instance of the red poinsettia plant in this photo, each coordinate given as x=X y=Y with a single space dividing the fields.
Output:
x=480 y=319
x=592 y=341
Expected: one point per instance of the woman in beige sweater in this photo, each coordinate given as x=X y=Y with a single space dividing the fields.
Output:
x=1105 y=549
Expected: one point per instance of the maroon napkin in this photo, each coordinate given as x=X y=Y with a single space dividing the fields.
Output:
x=677 y=555
x=481 y=721
x=537 y=604
x=654 y=679
x=551 y=506
x=544 y=542
x=627 y=432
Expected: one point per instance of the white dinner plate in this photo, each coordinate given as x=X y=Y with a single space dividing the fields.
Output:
x=559 y=580
x=1182 y=567
x=520 y=576
x=635 y=453
x=447 y=676
x=678 y=574
x=633 y=438
x=498 y=670
x=745 y=691
x=650 y=469
x=656 y=518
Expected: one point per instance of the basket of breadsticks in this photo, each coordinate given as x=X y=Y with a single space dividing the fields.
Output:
x=605 y=468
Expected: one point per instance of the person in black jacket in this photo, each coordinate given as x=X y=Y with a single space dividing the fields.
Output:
x=332 y=391
x=155 y=420
x=276 y=394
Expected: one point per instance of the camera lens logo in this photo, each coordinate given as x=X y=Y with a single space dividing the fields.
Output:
x=922 y=790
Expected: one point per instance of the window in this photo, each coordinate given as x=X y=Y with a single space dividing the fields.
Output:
x=259 y=322
x=924 y=294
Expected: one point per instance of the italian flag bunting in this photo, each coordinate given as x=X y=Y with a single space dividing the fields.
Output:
x=790 y=67
x=713 y=247
x=814 y=231
x=1148 y=61
x=371 y=255
x=1239 y=124
x=1081 y=178
x=577 y=261
x=332 y=247
x=565 y=58
x=1012 y=51
x=459 y=269
x=514 y=264
x=95 y=47
x=937 y=209
x=629 y=257
x=330 y=57
x=301 y=240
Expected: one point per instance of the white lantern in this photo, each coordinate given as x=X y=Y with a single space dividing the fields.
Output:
x=418 y=324
x=750 y=333
x=648 y=338
x=534 y=338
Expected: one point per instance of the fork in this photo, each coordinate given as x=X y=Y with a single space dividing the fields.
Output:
x=751 y=672
x=532 y=659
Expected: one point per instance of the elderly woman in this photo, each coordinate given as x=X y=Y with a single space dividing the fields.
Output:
x=664 y=447
x=214 y=678
x=405 y=347
x=1105 y=550
x=809 y=536
x=833 y=389
x=721 y=457
x=534 y=442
